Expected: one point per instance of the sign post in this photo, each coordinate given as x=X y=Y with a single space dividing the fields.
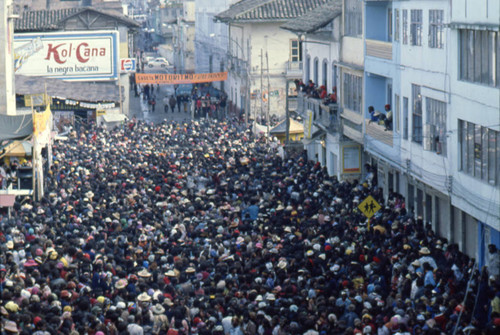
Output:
x=369 y=207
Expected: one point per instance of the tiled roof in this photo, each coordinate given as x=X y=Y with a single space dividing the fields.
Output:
x=268 y=10
x=42 y=20
x=316 y=18
x=46 y=20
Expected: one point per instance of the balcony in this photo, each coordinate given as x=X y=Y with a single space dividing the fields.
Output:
x=293 y=70
x=324 y=116
x=378 y=132
x=379 y=49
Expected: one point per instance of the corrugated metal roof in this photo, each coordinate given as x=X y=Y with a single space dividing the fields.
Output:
x=316 y=18
x=267 y=10
x=75 y=90
x=49 y=20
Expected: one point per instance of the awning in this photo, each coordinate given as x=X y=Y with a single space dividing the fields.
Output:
x=18 y=149
x=114 y=117
x=316 y=136
x=15 y=126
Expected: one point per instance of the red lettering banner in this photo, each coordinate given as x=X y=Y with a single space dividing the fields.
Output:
x=174 y=79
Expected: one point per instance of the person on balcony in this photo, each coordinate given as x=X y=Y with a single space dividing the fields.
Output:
x=388 y=117
x=322 y=92
x=373 y=114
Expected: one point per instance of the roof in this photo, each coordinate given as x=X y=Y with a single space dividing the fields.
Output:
x=295 y=127
x=316 y=18
x=46 y=20
x=267 y=10
x=75 y=90
x=15 y=126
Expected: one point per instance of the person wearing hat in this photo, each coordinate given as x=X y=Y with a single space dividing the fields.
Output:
x=427 y=258
x=160 y=320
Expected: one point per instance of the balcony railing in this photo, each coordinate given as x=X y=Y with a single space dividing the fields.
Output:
x=324 y=116
x=378 y=132
x=294 y=69
x=379 y=49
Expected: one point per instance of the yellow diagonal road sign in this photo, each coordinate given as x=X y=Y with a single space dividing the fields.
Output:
x=369 y=206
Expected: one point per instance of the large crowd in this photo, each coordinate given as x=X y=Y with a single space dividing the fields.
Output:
x=202 y=228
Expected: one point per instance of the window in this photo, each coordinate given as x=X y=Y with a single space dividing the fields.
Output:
x=435 y=136
x=295 y=51
x=480 y=151
x=325 y=73
x=436 y=29
x=353 y=24
x=405 y=118
x=316 y=65
x=416 y=125
x=389 y=25
x=396 y=25
x=334 y=75
x=416 y=27
x=405 y=26
x=352 y=92
x=396 y=113
x=479 y=56
x=308 y=68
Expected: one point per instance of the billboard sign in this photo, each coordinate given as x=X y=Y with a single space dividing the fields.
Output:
x=81 y=56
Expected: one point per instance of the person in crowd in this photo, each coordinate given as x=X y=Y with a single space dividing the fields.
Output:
x=202 y=227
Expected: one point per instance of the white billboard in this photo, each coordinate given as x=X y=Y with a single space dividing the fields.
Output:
x=82 y=56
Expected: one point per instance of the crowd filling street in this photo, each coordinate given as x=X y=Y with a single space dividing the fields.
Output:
x=202 y=228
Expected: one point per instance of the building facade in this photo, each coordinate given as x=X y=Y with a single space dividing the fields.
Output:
x=211 y=38
x=437 y=150
x=259 y=59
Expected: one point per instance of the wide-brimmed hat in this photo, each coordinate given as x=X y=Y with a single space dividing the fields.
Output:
x=190 y=270
x=170 y=273
x=158 y=309
x=425 y=251
x=144 y=273
x=121 y=283
x=11 y=326
x=144 y=297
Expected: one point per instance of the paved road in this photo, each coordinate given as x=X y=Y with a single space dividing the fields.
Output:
x=140 y=108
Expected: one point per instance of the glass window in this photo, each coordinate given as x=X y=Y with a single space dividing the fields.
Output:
x=405 y=26
x=295 y=51
x=477 y=150
x=417 y=114
x=405 y=118
x=436 y=126
x=479 y=56
x=316 y=71
x=353 y=25
x=396 y=113
x=352 y=92
x=389 y=25
x=396 y=25
x=492 y=160
x=470 y=148
x=416 y=27
x=436 y=29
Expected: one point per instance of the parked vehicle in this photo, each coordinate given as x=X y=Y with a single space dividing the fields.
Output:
x=158 y=62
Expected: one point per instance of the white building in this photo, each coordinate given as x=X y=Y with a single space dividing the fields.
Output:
x=211 y=38
x=260 y=53
x=441 y=152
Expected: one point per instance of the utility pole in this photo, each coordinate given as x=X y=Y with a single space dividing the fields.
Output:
x=261 y=87
x=268 y=95
x=287 y=115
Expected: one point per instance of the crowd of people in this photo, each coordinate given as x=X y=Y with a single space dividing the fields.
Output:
x=202 y=228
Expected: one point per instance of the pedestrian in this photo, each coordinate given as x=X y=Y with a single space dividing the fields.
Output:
x=172 y=102
x=165 y=104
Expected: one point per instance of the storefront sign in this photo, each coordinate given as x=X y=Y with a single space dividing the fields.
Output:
x=67 y=55
x=174 y=79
